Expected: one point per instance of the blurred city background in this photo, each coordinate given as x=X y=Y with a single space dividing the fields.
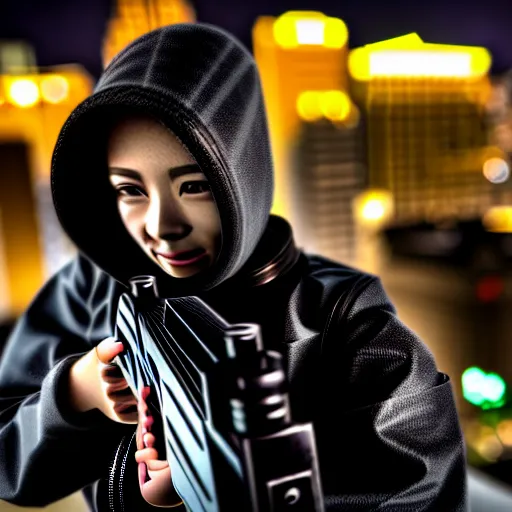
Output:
x=392 y=142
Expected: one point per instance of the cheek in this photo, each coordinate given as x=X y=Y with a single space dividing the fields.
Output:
x=211 y=220
x=133 y=220
x=206 y=221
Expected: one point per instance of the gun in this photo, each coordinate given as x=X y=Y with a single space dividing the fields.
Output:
x=223 y=405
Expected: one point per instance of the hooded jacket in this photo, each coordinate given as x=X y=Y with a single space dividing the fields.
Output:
x=387 y=431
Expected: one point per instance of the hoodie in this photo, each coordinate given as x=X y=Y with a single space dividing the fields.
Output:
x=387 y=431
x=205 y=87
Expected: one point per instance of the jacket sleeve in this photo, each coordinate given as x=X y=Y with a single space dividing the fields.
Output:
x=389 y=438
x=46 y=450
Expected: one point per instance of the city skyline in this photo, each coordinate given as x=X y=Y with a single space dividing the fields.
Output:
x=73 y=31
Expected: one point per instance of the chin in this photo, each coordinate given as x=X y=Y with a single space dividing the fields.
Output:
x=182 y=272
x=185 y=271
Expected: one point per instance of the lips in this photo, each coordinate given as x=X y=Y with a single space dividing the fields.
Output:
x=182 y=258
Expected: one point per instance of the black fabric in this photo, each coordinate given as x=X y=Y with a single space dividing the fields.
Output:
x=385 y=420
x=384 y=417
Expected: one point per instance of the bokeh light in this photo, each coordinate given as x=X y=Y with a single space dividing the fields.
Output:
x=498 y=219
x=504 y=431
x=335 y=105
x=308 y=105
x=23 y=93
x=373 y=207
x=309 y=28
x=54 y=88
x=496 y=170
x=486 y=390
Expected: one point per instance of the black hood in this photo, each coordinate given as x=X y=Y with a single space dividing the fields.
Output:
x=204 y=85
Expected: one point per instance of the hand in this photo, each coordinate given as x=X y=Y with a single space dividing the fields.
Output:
x=97 y=383
x=154 y=472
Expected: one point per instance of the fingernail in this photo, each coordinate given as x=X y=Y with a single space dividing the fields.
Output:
x=145 y=440
x=143 y=473
x=148 y=421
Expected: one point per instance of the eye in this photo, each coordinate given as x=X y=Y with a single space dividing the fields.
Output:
x=194 y=187
x=129 y=191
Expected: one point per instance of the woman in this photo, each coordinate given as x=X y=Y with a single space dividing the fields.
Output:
x=166 y=170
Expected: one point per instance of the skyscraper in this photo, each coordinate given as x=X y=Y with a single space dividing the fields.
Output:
x=296 y=52
x=134 y=18
x=34 y=103
x=427 y=139
x=499 y=113
x=329 y=173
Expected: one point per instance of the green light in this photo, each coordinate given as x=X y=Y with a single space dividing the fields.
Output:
x=486 y=390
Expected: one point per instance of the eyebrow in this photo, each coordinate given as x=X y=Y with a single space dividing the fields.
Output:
x=174 y=172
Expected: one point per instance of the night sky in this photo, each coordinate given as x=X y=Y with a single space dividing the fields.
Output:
x=69 y=31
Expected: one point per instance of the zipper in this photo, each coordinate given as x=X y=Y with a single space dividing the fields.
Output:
x=112 y=477
x=116 y=475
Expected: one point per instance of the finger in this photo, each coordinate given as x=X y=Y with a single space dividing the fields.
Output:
x=143 y=407
x=126 y=415
x=119 y=385
x=146 y=454
x=159 y=491
x=138 y=435
x=108 y=349
x=156 y=465
x=123 y=399
x=146 y=422
x=126 y=408
x=145 y=393
x=111 y=372
x=143 y=474
x=120 y=390
x=123 y=396
x=124 y=403
x=113 y=380
x=149 y=440
x=146 y=417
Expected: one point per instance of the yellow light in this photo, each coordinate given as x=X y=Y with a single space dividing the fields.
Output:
x=373 y=210
x=504 y=430
x=310 y=31
x=498 y=219
x=496 y=170
x=308 y=105
x=409 y=56
x=374 y=207
x=54 y=88
x=411 y=40
x=335 y=105
x=23 y=92
x=309 y=28
x=489 y=447
x=419 y=63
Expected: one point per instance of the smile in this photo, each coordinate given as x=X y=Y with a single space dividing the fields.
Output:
x=181 y=259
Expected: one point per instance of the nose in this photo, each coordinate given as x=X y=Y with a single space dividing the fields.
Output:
x=165 y=220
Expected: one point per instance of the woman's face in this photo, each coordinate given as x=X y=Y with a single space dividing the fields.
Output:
x=163 y=197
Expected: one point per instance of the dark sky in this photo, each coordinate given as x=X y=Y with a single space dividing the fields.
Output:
x=65 y=31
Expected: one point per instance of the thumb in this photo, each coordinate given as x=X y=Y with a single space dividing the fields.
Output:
x=108 y=349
